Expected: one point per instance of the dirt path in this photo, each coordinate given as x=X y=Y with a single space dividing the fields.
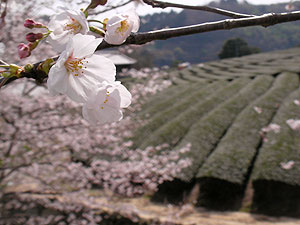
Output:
x=142 y=210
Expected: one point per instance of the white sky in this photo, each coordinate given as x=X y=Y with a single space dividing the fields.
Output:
x=146 y=9
x=142 y=10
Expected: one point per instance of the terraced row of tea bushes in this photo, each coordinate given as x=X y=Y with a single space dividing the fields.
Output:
x=173 y=106
x=172 y=131
x=232 y=159
x=169 y=97
x=206 y=133
x=276 y=187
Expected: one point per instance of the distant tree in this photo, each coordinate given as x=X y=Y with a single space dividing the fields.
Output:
x=237 y=47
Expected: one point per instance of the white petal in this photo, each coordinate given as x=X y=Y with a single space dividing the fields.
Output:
x=57 y=80
x=114 y=99
x=101 y=116
x=89 y=114
x=115 y=20
x=58 y=42
x=79 y=89
x=112 y=35
x=103 y=107
x=133 y=16
x=59 y=36
x=100 y=68
x=63 y=58
x=80 y=17
x=125 y=96
x=58 y=21
x=110 y=114
x=85 y=45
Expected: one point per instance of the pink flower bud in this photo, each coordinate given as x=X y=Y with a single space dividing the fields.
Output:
x=95 y=3
x=32 y=24
x=23 y=50
x=32 y=37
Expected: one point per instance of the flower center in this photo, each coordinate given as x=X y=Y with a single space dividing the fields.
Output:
x=75 y=65
x=106 y=100
x=123 y=28
x=73 y=27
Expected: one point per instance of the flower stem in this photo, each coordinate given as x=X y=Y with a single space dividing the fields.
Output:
x=97 y=30
x=97 y=21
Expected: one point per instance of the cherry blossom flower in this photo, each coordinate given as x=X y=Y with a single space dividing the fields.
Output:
x=119 y=27
x=105 y=105
x=78 y=71
x=257 y=109
x=272 y=127
x=287 y=165
x=290 y=6
x=293 y=124
x=65 y=25
x=297 y=102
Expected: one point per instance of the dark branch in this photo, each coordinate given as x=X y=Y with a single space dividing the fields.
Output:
x=159 y=4
x=142 y=38
x=263 y=20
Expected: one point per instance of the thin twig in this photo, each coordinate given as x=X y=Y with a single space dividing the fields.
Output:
x=159 y=4
x=142 y=38
x=110 y=8
x=3 y=81
x=2 y=62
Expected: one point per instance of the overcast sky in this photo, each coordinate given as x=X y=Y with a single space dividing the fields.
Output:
x=147 y=9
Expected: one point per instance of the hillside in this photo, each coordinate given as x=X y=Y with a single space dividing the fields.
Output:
x=205 y=47
x=234 y=115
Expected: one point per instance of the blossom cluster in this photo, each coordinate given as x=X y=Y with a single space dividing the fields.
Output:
x=48 y=148
x=83 y=76
x=70 y=209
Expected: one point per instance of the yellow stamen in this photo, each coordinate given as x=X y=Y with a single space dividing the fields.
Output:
x=75 y=65
x=123 y=28
x=73 y=27
x=106 y=99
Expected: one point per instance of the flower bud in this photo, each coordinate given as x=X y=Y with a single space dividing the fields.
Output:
x=32 y=37
x=95 y=3
x=46 y=65
x=33 y=45
x=23 y=50
x=32 y=24
x=28 y=67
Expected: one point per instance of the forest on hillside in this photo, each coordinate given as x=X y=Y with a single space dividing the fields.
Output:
x=206 y=46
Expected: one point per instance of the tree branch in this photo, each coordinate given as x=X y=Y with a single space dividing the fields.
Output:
x=163 y=34
x=111 y=8
x=142 y=38
x=159 y=4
